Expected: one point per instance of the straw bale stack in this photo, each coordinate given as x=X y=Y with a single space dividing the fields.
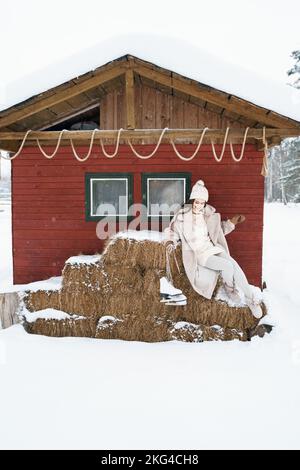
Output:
x=83 y=327
x=123 y=283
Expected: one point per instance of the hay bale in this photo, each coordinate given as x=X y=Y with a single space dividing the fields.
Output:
x=147 y=254
x=87 y=287
x=88 y=303
x=82 y=276
x=71 y=327
x=133 y=328
x=210 y=312
x=97 y=276
x=41 y=299
x=190 y=332
x=79 y=275
x=123 y=283
x=198 y=310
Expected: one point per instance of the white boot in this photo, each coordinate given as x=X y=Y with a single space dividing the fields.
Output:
x=167 y=288
x=254 y=307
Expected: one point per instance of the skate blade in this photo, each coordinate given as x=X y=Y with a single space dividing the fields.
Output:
x=181 y=303
x=174 y=298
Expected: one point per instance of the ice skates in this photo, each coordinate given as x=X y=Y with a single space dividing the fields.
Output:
x=169 y=295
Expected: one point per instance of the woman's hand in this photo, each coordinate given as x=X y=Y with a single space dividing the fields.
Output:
x=237 y=219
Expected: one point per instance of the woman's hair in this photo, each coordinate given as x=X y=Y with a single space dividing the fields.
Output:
x=190 y=202
x=185 y=207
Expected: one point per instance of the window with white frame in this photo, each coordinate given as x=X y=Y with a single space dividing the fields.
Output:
x=164 y=193
x=108 y=194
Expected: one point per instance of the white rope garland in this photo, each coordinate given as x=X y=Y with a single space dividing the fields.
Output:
x=243 y=148
x=20 y=148
x=49 y=156
x=117 y=145
x=219 y=159
x=187 y=159
x=83 y=159
x=264 y=170
x=145 y=157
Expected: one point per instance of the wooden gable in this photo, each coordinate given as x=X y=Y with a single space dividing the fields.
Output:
x=134 y=94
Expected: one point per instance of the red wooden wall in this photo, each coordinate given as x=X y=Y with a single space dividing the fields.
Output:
x=48 y=208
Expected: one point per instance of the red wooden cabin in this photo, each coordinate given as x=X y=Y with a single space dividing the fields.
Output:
x=55 y=201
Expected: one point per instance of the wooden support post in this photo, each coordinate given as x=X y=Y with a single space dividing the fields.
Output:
x=9 y=305
x=129 y=86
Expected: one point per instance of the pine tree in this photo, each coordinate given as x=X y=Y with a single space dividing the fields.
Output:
x=295 y=70
x=288 y=154
x=283 y=181
x=291 y=169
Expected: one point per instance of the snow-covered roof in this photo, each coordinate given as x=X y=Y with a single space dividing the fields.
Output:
x=170 y=53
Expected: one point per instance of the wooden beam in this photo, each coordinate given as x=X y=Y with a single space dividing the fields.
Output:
x=9 y=146
x=66 y=116
x=7 y=138
x=219 y=98
x=101 y=77
x=272 y=142
x=129 y=99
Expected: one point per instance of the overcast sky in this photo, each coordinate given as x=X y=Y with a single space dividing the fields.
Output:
x=256 y=34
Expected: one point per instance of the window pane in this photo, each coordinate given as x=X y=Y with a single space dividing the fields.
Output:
x=165 y=196
x=109 y=196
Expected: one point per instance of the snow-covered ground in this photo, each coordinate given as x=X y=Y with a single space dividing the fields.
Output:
x=108 y=394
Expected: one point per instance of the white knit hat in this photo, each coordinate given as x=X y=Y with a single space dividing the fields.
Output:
x=199 y=191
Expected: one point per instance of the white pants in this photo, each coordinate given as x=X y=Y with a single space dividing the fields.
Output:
x=230 y=270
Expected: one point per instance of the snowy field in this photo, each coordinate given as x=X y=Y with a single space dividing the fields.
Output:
x=109 y=394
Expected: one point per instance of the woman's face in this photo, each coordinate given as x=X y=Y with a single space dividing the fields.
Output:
x=198 y=205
